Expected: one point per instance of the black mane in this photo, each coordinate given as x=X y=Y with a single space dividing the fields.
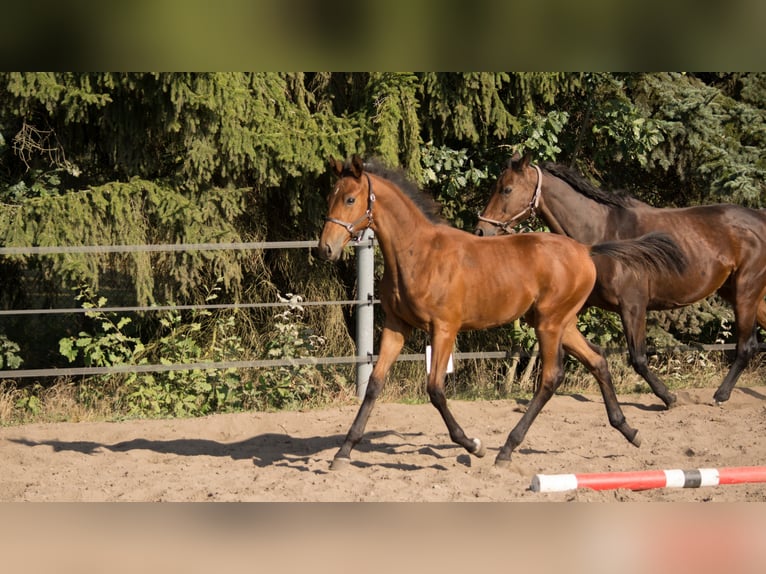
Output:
x=424 y=202
x=586 y=188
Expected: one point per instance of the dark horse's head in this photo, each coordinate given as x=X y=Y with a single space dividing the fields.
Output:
x=514 y=197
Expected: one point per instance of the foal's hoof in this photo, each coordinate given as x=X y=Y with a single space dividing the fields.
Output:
x=502 y=462
x=340 y=463
x=478 y=450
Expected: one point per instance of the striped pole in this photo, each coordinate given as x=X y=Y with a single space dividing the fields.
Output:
x=643 y=480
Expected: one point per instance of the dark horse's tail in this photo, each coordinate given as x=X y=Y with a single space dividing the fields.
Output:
x=653 y=251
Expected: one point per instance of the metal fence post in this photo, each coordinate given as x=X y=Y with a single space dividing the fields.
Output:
x=365 y=286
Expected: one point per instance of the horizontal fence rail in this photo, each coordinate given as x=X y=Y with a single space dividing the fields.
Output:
x=145 y=308
x=300 y=361
x=222 y=246
x=364 y=360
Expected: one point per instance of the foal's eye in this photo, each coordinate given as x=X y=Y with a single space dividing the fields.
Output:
x=350 y=200
x=507 y=190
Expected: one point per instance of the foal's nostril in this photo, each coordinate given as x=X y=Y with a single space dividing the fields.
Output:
x=479 y=231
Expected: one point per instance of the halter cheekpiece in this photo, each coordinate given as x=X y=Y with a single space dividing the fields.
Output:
x=367 y=215
x=531 y=207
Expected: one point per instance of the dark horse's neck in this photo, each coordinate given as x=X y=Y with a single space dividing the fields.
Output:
x=571 y=206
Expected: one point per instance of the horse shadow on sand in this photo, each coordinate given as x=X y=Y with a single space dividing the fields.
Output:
x=279 y=449
x=282 y=449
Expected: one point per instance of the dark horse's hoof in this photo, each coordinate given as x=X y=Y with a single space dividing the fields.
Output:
x=720 y=399
x=502 y=462
x=339 y=463
x=672 y=403
x=636 y=440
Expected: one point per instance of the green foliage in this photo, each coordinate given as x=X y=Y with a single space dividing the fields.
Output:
x=291 y=338
x=457 y=178
x=182 y=341
x=619 y=131
x=540 y=134
x=148 y=158
x=131 y=213
x=481 y=109
x=466 y=107
x=9 y=354
x=110 y=345
x=197 y=338
x=28 y=401
x=707 y=321
x=394 y=115
x=188 y=392
x=602 y=328
x=712 y=141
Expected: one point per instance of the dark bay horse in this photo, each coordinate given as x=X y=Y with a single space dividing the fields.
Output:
x=443 y=280
x=724 y=247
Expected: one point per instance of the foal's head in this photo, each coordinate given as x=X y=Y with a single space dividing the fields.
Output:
x=349 y=207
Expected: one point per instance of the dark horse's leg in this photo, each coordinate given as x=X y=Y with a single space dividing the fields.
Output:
x=747 y=345
x=551 y=358
x=391 y=344
x=633 y=317
x=592 y=357
x=442 y=342
x=747 y=308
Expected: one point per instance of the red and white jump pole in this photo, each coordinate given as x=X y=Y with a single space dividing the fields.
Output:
x=643 y=480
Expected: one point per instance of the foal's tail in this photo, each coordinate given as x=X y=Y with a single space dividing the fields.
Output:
x=654 y=251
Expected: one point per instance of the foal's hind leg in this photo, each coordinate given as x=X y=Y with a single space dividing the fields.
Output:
x=760 y=316
x=391 y=344
x=590 y=356
x=442 y=343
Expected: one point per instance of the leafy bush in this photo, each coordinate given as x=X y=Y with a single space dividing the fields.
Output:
x=291 y=338
x=9 y=357
x=457 y=178
x=201 y=337
x=110 y=345
x=166 y=393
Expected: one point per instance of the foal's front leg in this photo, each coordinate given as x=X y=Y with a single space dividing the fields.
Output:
x=442 y=343
x=391 y=343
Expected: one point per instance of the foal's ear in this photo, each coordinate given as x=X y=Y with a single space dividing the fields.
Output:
x=357 y=166
x=336 y=166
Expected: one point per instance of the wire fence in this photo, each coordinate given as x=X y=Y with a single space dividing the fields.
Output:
x=361 y=359
x=148 y=368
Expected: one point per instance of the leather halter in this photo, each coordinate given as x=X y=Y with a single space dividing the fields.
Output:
x=367 y=215
x=531 y=208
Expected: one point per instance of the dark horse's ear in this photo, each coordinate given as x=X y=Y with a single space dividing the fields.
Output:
x=517 y=162
x=357 y=166
x=336 y=166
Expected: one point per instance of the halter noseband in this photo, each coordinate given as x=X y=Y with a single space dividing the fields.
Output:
x=531 y=207
x=367 y=215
